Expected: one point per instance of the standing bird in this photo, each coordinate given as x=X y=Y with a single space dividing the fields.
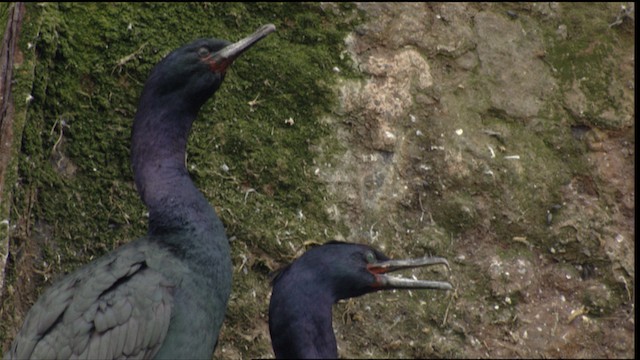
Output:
x=305 y=291
x=163 y=295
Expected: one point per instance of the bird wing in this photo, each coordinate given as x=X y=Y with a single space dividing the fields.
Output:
x=117 y=307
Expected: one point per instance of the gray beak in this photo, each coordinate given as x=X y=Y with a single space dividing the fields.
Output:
x=223 y=58
x=384 y=281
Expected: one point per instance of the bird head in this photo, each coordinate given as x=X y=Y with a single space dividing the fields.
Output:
x=173 y=94
x=352 y=270
x=193 y=72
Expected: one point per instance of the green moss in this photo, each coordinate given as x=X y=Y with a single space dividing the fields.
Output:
x=262 y=152
x=456 y=214
x=585 y=60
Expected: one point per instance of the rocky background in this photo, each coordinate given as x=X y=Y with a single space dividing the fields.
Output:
x=500 y=136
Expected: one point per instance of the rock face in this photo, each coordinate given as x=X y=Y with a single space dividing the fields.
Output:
x=466 y=123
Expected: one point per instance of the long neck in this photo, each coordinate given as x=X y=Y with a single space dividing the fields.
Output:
x=300 y=320
x=159 y=141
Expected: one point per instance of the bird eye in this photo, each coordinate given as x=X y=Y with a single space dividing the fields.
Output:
x=202 y=52
x=370 y=257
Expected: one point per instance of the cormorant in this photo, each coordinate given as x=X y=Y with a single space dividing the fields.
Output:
x=163 y=295
x=305 y=291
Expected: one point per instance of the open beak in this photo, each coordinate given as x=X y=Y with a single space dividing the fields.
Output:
x=221 y=60
x=384 y=281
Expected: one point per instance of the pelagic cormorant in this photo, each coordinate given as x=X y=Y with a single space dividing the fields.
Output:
x=305 y=291
x=164 y=295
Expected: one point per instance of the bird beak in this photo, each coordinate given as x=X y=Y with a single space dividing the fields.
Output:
x=221 y=60
x=384 y=281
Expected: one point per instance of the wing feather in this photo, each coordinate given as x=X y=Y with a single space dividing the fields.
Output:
x=117 y=307
x=132 y=331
